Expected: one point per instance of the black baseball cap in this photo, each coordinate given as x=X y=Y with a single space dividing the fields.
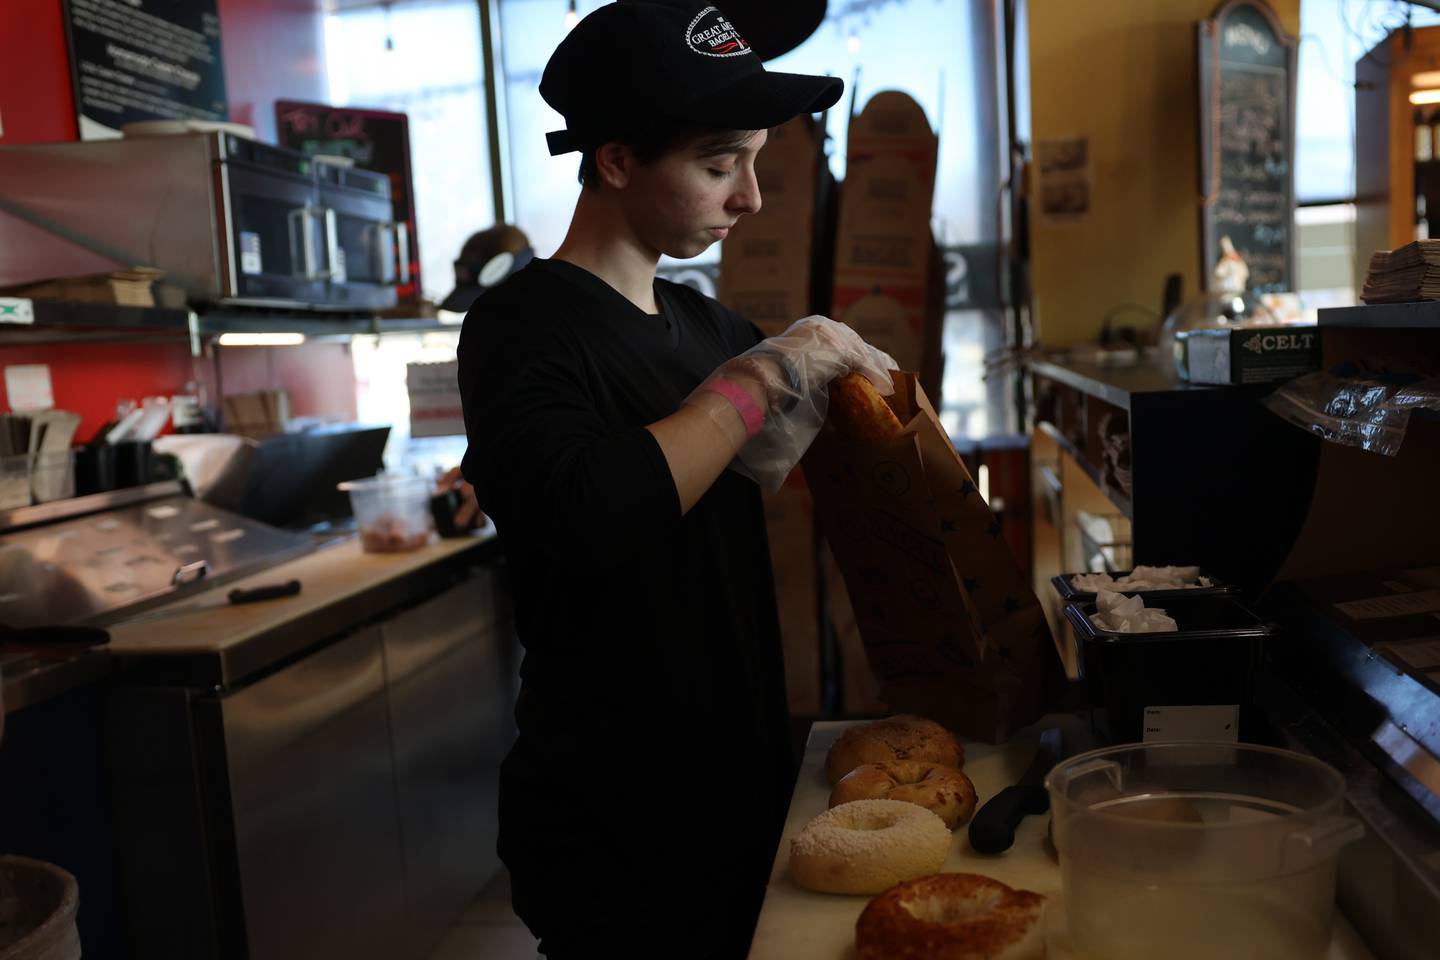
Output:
x=633 y=63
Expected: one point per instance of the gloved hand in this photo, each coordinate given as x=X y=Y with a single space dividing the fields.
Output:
x=779 y=387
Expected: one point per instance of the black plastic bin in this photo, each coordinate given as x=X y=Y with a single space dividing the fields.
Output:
x=1068 y=593
x=1213 y=659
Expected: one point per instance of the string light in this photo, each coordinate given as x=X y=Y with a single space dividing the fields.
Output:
x=572 y=17
x=853 y=43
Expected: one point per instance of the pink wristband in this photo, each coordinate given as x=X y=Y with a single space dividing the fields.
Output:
x=743 y=403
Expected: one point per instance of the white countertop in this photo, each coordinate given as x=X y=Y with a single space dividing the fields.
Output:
x=796 y=924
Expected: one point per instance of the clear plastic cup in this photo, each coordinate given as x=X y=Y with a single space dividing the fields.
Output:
x=392 y=512
x=1198 y=850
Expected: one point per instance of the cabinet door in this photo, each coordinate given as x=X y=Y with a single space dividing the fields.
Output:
x=451 y=720
x=313 y=792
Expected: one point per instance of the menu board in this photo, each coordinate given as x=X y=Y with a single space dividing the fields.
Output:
x=1247 y=142
x=134 y=60
x=377 y=140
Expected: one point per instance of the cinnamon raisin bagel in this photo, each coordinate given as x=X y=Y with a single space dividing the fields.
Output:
x=903 y=737
x=952 y=916
x=858 y=410
x=942 y=790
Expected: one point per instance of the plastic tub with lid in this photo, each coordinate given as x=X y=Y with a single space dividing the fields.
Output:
x=1193 y=851
x=392 y=512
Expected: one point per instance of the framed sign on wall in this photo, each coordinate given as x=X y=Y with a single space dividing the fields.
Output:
x=1247 y=142
x=142 y=60
x=376 y=140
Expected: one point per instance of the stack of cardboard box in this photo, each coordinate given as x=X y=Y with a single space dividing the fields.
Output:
x=260 y=414
x=768 y=272
x=889 y=287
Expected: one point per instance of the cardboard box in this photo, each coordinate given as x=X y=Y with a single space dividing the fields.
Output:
x=434 y=390
x=1236 y=355
x=767 y=264
x=886 y=267
x=859 y=690
x=790 y=525
x=951 y=627
x=128 y=288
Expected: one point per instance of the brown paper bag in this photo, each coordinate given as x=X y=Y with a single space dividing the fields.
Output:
x=952 y=630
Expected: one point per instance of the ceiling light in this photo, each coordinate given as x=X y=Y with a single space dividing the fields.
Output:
x=261 y=339
x=1425 y=96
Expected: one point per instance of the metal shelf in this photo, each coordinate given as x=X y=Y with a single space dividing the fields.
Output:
x=1121 y=502
x=1420 y=315
x=57 y=321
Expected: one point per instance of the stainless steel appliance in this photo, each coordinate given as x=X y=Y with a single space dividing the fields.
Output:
x=231 y=220
x=96 y=559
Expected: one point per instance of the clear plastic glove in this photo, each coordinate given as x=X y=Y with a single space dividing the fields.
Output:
x=785 y=380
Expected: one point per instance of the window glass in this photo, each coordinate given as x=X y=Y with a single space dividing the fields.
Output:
x=1333 y=35
x=925 y=48
x=424 y=61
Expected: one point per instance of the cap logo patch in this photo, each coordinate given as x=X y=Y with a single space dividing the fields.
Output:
x=711 y=34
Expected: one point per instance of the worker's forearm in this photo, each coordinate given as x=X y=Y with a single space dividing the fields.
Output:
x=699 y=440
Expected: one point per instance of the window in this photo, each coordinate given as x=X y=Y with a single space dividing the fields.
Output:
x=424 y=61
x=934 y=50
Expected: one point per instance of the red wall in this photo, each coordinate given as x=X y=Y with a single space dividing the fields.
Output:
x=318 y=376
x=88 y=378
x=273 y=49
x=36 y=105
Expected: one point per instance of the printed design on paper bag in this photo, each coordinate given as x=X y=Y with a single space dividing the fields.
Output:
x=1253 y=344
x=948 y=526
x=854 y=526
x=994 y=528
x=966 y=488
x=949 y=648
x=909 y=541
x=971 y=583
x=711 y=34
x=1012 y=604
x=875 y=576
x=925 y=593
x=892 y=478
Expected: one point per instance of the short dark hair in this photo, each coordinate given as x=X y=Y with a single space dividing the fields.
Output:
x=660 y=140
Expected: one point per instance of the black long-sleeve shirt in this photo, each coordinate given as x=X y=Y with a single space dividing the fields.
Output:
x=648 y=634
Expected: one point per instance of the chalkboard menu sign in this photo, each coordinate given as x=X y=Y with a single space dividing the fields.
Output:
x=135 y=60
x=376 y=140
x=1247 y=142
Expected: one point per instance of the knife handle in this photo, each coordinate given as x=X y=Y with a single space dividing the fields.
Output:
x=270 y=592
x=993 y=829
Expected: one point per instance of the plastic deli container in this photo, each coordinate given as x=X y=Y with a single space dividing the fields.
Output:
x=392 y=512
x=1068 y=592
x=1211 y=660
x=1193 y=851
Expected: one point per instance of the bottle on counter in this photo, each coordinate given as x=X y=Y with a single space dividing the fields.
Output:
x=187 y=410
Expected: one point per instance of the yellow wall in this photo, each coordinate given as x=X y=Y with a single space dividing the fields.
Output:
x=1123 y=74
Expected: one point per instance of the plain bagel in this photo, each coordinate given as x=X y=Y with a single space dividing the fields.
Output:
x=952 y=916
x=868 y=845
x=904 y=737
x=942 y=790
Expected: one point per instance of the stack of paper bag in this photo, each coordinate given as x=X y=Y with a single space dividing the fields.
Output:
x=1411 y=272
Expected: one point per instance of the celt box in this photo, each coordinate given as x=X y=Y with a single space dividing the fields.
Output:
x=1248 y=354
